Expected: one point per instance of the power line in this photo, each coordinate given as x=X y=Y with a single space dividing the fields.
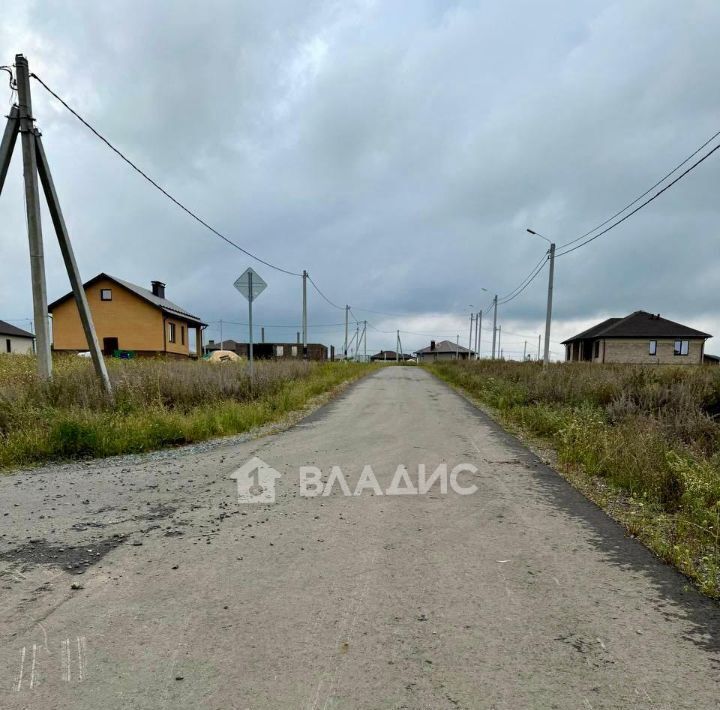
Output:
x=159 y=187
x=528 y=280
x=639 y=207
x=315 y=286
x=639 y=197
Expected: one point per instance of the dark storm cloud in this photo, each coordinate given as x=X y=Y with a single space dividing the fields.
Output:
x=396 y=150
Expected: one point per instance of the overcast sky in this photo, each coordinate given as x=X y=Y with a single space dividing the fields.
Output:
x=395 y=150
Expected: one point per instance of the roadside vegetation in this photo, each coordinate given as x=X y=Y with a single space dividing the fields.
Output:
x=642 y=442
x=158 y=403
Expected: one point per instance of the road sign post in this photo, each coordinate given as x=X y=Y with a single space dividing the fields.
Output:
x=251 y=286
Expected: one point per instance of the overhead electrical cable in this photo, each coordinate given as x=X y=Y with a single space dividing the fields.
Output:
x=156 y=185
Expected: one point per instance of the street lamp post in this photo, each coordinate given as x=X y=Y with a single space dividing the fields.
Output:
x=548 y=315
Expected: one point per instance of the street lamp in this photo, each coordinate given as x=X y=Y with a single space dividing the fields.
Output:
x=548 y=316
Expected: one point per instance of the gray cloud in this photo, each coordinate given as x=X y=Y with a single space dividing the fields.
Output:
x=395 y=150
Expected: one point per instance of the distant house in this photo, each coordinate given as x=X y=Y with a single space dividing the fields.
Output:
x=127 y=318
x=15 y=340
x=444 y=350
x=270 y=351
x=640 y=337
x=389 y=355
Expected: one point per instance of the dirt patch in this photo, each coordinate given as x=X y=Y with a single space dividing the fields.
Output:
x=73 y=559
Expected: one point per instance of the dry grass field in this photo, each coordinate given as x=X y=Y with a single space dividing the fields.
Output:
x=158 y=403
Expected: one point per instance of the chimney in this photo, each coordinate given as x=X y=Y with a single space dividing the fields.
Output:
x=432 y=345
x=158 y=289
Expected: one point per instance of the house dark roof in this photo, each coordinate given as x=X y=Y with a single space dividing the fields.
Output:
x=638 y=325
x=389 y=355
x=163 y=304
x=8 y=329
x=444 y=346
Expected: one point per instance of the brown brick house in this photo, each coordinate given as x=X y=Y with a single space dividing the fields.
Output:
x=271 y=351
x=127 y=318
x=640 y=338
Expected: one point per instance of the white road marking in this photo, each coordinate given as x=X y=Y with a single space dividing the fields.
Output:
x=18 y=684
x=66 y=668
x=32 y=669
x=82 y=658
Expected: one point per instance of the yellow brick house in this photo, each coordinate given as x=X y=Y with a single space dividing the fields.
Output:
x=127 y=318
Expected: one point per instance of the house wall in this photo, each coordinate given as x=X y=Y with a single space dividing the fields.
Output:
x=433 y=356
x=21 y=346
x=178 y=347
x=135 y=323
x=633 y=351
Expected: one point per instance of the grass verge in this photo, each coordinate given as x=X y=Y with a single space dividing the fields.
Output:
x=158 y=404
x=641 y=442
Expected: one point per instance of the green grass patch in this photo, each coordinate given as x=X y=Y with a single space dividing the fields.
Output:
x=158 y=403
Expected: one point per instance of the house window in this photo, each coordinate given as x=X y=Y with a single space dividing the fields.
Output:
x=279 y=350
x=106 y=294
x=182 y=334
x=596 y=349
x=171 y=332
x=293 y=351
x=681 y=347
x=653 y=348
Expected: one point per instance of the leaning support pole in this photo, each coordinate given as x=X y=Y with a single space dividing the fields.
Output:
x=32 y=205
x=71 y=265
x=7 y=146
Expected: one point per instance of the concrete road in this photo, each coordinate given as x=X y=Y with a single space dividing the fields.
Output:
x=520 y=595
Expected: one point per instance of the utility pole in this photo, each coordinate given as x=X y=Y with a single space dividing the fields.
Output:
x=397 y=347
x=35 y=165
x=548 y=318
x=524 y=351
x=71 y=266
x=494 y=325
x=262 y=334
x=478 y=334
x=304 y=314
x=470 y=337
x=347 y=314
x=364 y=341
x=32 y=206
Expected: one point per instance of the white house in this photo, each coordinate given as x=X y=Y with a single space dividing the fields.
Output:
x=15 y=340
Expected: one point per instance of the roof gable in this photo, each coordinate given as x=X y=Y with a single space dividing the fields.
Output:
x=9 y=329
x=445 y=346
x=639 y=324
x=162 y=303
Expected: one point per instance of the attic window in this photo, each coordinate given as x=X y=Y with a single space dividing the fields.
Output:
x=681 y=347
x=106 y=294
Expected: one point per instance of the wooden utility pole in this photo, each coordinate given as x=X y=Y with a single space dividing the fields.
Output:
x=71 y=265
x=35 y=164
